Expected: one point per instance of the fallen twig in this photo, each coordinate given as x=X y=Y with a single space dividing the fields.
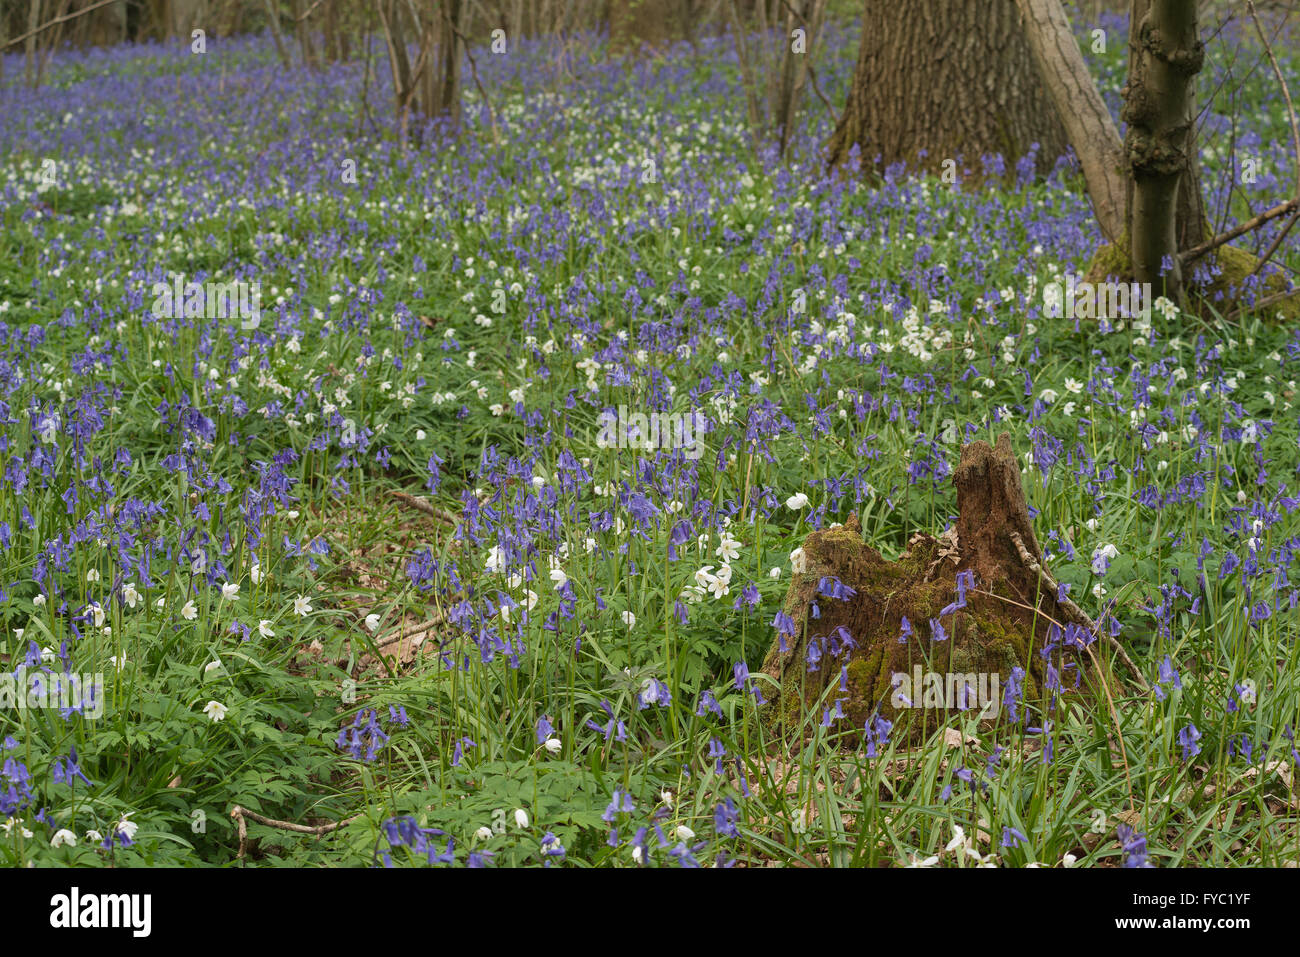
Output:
x=239 y=813
x=1262 y=303
x=420 y=505
x=1073 y=611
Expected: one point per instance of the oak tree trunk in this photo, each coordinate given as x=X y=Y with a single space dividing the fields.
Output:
x=938 y=79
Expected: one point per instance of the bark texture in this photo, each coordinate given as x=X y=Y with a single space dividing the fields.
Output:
x=1159 y=106
x=1088 y=123
x=941 y=79
x=846 y=652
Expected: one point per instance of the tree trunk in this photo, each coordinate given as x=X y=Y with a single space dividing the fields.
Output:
x=29 y=46
x=302 y=30
x=445 y=73
x=938 y=79
x=399 y=62
x=1087 y=121
x=273 y=19
x=805 y=15
x=329 y=27
x=1192 y=227
x=1159 y=103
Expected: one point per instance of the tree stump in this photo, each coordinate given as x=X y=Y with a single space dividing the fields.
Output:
x=919 y=633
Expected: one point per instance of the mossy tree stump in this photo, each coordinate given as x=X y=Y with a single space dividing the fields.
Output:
x=1231 y=267
x=1005 y=620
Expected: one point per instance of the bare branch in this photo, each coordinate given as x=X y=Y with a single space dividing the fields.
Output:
x=1074 y=611
x=1286 y=92
x=1250 y=225
x=56 y=21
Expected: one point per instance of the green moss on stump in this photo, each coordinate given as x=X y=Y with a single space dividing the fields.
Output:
x=1112 y=262
x=987 y=636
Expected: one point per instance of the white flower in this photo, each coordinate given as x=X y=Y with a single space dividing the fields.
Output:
x=554 y=745
x=484 y=833
x=119 y=662
x=92 y=575
x=215 y=710
x=667 y=797
x=62 y=837
x=372 y=623
x=684 y=833
x=97 y=612
x=958 y=838
x=797 y=501
x=521 y=818
x=420 y=435
x=302 y=606
x=127 y=827
x=1073 y=386
x=211 y=666
x=255 y=573
x=774 y=572
x=94 y=837
x=130 y=595
x=1100 y=557
x=190 y=611
x=629 y=619
x=638 y=854
x=8 y=827
x=39 y=601
x=230 y=591
x=1069 y=860
x=558 y=576
x=728 y=549
x=798 y=561
x=927 y=862
x=264 y=628
x=160 y=603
